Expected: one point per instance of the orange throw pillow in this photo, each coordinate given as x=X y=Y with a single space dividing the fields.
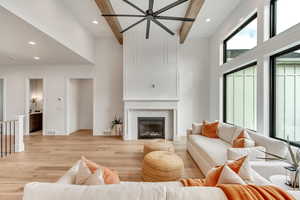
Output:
x=243 y=140
x=109 y=176
x=214 y=174
x=210 y=129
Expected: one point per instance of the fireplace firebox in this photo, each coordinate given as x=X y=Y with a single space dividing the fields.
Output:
x=151 y=127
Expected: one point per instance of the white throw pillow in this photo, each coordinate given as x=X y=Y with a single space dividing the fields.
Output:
x=245 y=170
x=226 y=132
x=83 y=174
x=254 y=153
x=96 y=178
x=197 y=128
x=228 y=176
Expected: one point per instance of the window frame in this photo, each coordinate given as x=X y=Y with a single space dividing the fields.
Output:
x=272 y=100
x=273 y=18
x=225 y=89
x=236 y=31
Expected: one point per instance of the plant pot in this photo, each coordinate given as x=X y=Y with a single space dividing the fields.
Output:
x=117 y=130
x=292 y=177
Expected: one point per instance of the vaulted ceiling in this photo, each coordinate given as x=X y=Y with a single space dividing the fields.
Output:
x=215 y=10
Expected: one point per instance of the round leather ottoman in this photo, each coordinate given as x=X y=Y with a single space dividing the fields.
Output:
x=160 y=166
x=158 y=145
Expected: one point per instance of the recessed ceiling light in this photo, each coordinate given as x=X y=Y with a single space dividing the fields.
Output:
x=32 y=43
x=208 y=20
x=95 y=22
x=36 y=58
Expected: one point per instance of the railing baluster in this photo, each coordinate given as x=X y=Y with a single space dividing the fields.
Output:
x=10 y=137
x=5 y=138
x=14 y=136
x=1 y=139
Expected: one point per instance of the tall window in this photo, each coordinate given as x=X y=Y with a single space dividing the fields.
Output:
x=241 y=40
x=240 y=97
x=285 y=98
x=284 y=14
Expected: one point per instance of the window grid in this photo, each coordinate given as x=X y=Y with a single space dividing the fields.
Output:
x=231 y=80
x=285 y=92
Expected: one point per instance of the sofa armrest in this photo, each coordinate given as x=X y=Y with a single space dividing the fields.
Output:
x=189 y=132
x=254 y=153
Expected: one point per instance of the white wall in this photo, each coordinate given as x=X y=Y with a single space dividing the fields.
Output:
x=194 y=83
x=108 y=85
x=261 y=53
x=1 y=99
x=148 y=62
x=55 y=78
x=54 y=19
x=108 y=91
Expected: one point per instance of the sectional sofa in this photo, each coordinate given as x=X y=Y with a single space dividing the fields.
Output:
x=210 y=152
x=65 y=190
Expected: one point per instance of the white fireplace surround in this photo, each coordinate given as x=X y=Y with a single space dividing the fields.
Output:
x=135 y=109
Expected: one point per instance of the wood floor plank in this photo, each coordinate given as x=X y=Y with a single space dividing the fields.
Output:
x=47 y=158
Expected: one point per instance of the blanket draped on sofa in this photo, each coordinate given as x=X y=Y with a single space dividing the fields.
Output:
x=253 y=192
x=244 y=192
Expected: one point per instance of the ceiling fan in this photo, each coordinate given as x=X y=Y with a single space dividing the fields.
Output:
x=152 y=16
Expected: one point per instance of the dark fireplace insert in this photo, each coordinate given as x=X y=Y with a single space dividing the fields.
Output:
x=151 y=127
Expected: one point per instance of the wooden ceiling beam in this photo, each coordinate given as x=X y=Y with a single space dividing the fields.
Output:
x=192 y=12
x=106 y=8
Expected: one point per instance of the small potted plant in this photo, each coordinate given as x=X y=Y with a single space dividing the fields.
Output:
x=292 y=172
x=117 y=126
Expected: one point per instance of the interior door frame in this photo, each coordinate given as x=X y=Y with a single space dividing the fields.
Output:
x=67 y=102
x=27 y=103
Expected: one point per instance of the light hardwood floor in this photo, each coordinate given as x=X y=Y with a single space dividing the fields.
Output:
x=48 y=157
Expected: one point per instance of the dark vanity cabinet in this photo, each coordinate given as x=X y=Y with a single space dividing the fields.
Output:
x=36 y=122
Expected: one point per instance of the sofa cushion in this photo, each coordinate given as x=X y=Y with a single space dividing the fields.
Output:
x=53 y=191
x=226 y=132
x=213 y=150
x=272 y=145
x=254 y=153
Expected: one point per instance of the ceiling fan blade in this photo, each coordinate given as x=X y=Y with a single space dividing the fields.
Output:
x=148 y=29
x=163 y=26
x=122 y=15
x=175 y=18
x=134 y=6
x=151 y=4
x=136 y=23
x=172 y=5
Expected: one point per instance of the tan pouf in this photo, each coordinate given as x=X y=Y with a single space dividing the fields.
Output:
x=158 y=145
x=160 y=166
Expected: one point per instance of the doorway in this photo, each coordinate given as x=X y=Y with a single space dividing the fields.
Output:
x=80 y=105
x=35 y=106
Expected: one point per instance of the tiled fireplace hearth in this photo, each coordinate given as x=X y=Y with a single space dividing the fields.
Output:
x=147 y=119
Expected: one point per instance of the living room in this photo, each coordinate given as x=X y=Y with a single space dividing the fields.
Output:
x=134 y=85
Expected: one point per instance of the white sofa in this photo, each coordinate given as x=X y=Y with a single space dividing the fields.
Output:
x=210 y=152
x=64 y=190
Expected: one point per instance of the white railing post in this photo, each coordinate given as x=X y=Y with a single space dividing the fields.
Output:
x=19 y=140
